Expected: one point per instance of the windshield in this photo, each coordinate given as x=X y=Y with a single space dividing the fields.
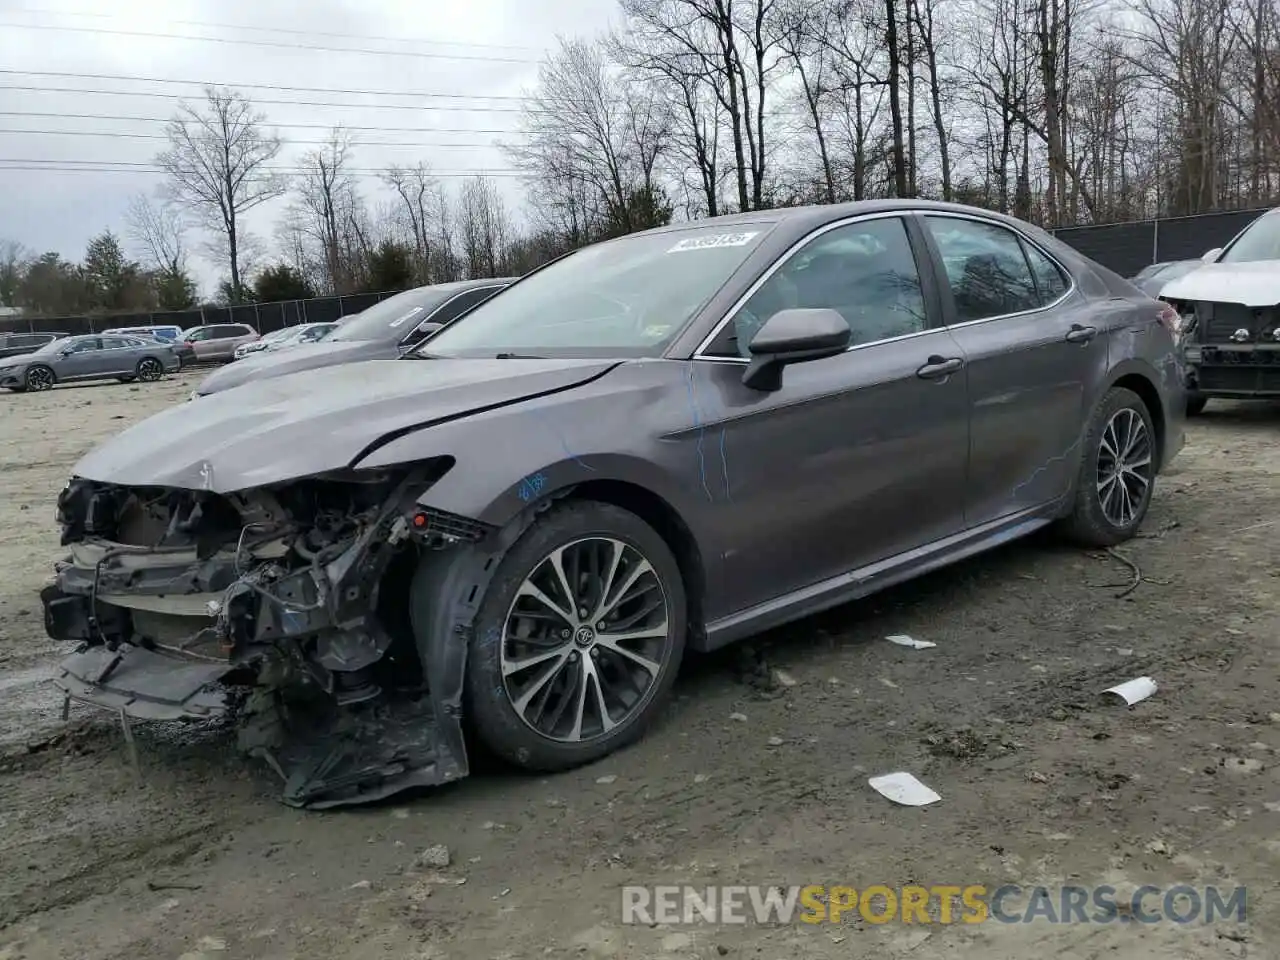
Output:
x=53 y=346
x=391 y=319
x=625 y=297
x=1259 y=241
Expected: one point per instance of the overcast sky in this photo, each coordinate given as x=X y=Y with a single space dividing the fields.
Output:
x=479 y=49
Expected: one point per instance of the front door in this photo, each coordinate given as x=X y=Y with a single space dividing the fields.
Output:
x=84 y=360
x=858 y=457
x=1033 y=350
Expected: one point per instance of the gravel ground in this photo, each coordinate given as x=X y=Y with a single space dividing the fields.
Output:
x=750 y=777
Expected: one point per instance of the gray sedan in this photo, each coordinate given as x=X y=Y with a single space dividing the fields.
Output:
x=659 y=443
x=89 y=358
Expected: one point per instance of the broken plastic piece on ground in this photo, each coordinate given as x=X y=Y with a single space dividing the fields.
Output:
x=902 y=640
x=1133 y=691
x=903 y=788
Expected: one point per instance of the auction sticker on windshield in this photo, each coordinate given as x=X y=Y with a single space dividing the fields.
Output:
x=714 y=240
x=408 y=316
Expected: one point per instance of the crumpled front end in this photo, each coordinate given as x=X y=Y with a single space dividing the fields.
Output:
x=1231 y=349
x=287 y=605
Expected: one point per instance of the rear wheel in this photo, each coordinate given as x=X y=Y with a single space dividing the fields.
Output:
x=40 y=378
x=149 y=370
x=578 y=638
x=1117 y=472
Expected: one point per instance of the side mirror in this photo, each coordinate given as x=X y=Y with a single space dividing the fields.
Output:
x=1212 y=255
x=422 y=333
x=793 y=336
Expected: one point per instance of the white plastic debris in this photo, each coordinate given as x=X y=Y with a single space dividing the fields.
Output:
x=1133 y=691
x=902 y=640
x=903 y=788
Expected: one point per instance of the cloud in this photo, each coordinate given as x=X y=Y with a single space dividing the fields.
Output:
x=403 y=46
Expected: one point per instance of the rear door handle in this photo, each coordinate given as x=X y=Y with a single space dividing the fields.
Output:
x=939 y=367
x=1079 y=334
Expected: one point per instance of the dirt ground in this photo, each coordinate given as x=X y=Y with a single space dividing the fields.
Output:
x=1042 y=781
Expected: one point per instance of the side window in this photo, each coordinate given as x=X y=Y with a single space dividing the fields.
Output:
x=84 y=346
x=1051 y=283
x=866 y=271
x=202 y=333
x=114 y=343
x=986 y=269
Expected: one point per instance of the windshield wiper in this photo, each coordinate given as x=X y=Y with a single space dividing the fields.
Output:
x=517 y=356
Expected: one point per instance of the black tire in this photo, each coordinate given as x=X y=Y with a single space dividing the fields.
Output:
x=1196 y=404
x=1089 y=523
x=150 y=370
x=492 y=717
x=39 y=377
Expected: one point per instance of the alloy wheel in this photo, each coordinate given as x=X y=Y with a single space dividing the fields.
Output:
x=585 y=640
x=40 y=379
x=149 y=370
x=1124 y=466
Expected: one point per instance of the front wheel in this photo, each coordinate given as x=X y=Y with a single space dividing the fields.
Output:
x=149 y=370
x=578 y=638
x=1117 y=472
x=39 y=378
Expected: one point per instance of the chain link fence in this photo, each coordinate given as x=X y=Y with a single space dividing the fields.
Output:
x=1128 y=247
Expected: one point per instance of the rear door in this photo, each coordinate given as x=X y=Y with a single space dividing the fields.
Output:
x=858 y=457
x=1035 y=348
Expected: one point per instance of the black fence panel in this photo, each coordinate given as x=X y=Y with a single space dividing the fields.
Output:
x=1128 y=247
x=263 y=317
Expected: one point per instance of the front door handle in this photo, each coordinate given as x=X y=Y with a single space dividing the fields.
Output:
x=1079 y=334
x=939 y=367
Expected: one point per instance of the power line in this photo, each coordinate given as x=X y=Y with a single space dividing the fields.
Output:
x=292 y=126
x=110 y=134
x=458 y=107
x=269 y=169
x=108 y=166
x=420 y=54
x=283 y=30
x=257 y=86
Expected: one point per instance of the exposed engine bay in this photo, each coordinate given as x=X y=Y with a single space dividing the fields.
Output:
x=1231 y=349
x=315 y=612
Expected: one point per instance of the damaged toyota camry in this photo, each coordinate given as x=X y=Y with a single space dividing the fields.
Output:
x=665 y=441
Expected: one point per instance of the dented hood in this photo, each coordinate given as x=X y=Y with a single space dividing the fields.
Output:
x=277 y=429
x=310 y=356
x=1254 y=284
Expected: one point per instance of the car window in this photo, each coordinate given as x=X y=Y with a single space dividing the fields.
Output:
x=83 y=346
x=1051 y=282
x=200 y=334
x=116 y=343
x=1258 y=241
x=32 y=340
x=986 y=268
x=866 y=271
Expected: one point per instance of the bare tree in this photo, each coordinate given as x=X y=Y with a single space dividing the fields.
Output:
x=329 y=210
x=160 y=233
x=217 y=165
x=485 y=227
x=14 y=259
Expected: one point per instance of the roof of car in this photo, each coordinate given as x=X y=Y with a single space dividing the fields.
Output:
x=804 y=218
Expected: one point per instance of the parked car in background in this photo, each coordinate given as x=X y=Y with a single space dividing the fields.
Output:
x=1230 y=317
x=16 y=344
x=664 y=442
x=1151 y=280
x=163 y=332
x=92 y=357
x=295 y=336
x=259 y=345
x=382 y=332
x=217 y=342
